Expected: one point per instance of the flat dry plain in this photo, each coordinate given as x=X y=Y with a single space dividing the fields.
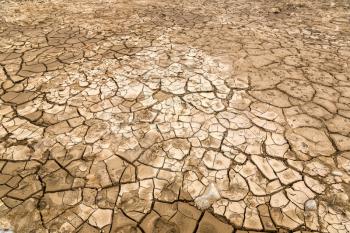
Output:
x=175 y=116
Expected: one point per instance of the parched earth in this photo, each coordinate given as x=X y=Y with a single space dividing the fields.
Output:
x=175 y=116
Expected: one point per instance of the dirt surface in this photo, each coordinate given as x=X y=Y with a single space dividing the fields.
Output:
x=175 y=116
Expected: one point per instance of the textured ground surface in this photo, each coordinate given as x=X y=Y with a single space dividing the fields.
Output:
x=175 y=116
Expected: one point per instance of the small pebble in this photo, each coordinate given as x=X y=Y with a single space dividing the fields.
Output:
x=337 y=173
x=310 y=205
x=83 y=167
x=275 y=10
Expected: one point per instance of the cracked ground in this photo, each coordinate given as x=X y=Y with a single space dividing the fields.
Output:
x=175 y=116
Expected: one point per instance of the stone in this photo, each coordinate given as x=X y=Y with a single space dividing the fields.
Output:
x=275 y=10
x=210 y=195
x=310 y=205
